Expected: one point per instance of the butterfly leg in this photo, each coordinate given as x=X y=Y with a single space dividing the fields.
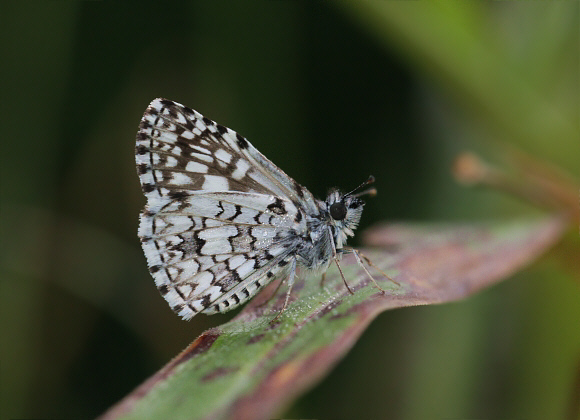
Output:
x=335 y=258
x=290 y=284
x=322 y=278
x=371 y=264
x=342 y=275
x=359 y=256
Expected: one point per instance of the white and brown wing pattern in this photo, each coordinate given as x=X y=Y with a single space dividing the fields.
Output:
x=179 y=149
x=221 y=220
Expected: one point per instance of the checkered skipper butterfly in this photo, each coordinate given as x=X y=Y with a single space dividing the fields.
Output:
x=221 y=220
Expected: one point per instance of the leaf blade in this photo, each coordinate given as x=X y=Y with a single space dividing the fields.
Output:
x=250 y=368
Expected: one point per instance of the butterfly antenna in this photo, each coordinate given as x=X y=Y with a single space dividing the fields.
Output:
x=371 y=191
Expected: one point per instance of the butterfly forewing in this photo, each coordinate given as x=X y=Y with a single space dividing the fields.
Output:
x=179 y=149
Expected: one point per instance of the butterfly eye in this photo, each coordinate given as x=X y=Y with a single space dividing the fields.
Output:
x=338 y=211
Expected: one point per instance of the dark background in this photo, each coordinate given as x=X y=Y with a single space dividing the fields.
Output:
x=331 y=92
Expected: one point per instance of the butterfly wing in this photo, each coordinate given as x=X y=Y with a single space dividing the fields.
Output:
x=179 y=149
x=209 y=252
x=221 y=220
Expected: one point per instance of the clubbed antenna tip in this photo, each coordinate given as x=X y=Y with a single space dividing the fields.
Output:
x=370 y=191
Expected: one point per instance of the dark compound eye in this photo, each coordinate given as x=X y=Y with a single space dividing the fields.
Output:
x=338 y=211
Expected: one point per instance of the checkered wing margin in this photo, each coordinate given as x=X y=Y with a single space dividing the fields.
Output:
x=221 y=220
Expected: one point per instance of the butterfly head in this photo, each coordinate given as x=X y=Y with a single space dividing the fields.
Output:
x=345 y=211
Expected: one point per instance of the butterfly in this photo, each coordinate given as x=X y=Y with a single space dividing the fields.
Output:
x=222 y=221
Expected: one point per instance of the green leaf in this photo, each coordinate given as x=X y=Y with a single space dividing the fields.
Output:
x=252 y=368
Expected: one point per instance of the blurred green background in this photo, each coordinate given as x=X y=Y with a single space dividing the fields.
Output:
x=329 y=91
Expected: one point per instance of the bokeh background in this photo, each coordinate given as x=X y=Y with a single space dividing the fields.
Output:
x=331 y=92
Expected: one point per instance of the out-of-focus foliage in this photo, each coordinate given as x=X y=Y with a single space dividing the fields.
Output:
x=330 y=92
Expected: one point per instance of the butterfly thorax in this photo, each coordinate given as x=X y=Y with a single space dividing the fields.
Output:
x=328 y=230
